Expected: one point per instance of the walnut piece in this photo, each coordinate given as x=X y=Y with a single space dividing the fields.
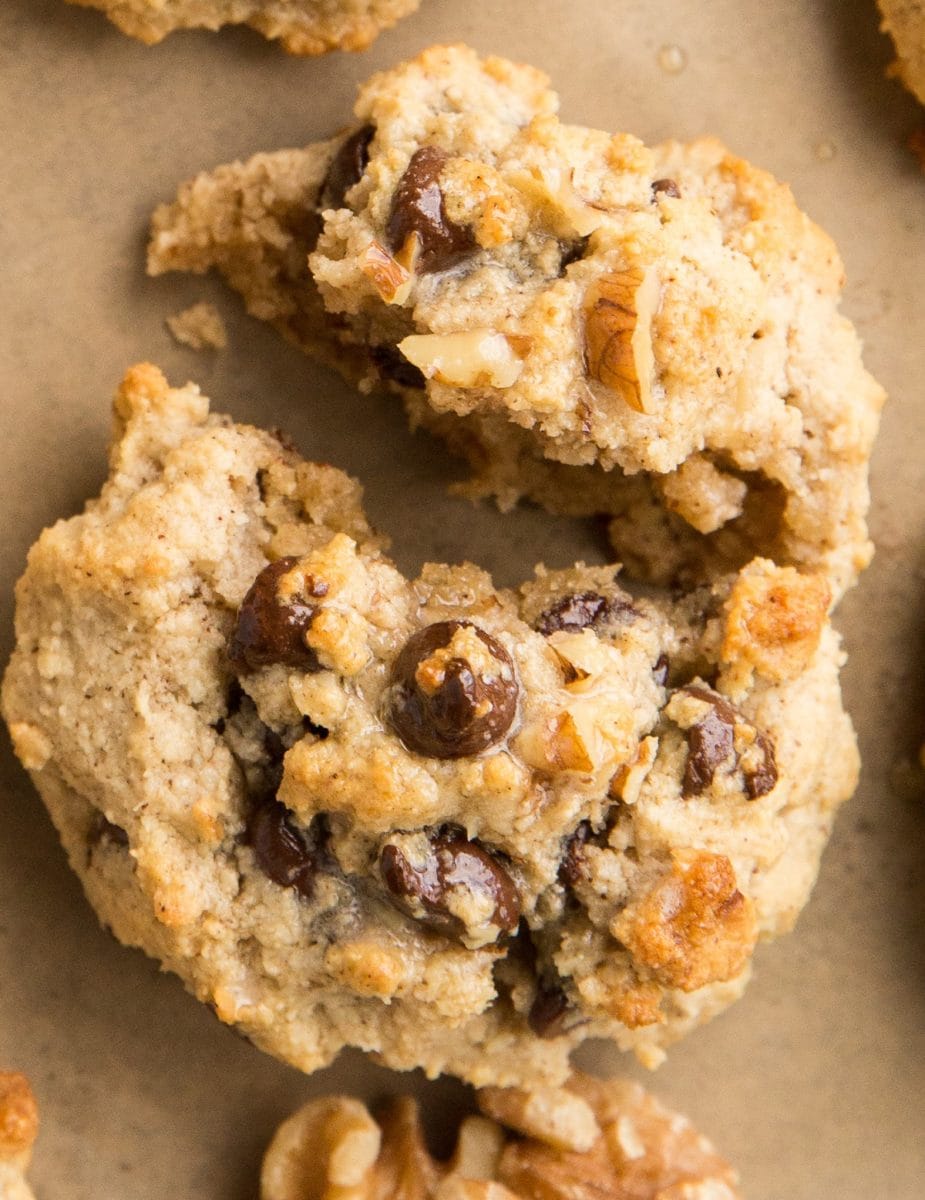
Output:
x=590 y=1140
x=694 y=926
x=475 y=358
x=619 y=309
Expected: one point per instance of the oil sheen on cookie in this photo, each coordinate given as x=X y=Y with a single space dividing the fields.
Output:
x=588 y=1139
x=302 y=26
x=461 y=826
x=651 y=335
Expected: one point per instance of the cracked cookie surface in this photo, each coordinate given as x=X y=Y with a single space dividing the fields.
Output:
x=302 y=26
x=462 y=826
x=648 y=334
x=610 y=1141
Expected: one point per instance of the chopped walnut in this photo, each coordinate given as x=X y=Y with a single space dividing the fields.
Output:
x=774 y=618
x=390 y=278
x=618 y=333
x=694 y=926
x=474 y=358
x=591 y=1140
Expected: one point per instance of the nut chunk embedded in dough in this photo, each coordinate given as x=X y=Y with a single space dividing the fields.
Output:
x=651 y=334
x=303 y=26
x=589 y=1140
x=19 y=1124
x=462 y=826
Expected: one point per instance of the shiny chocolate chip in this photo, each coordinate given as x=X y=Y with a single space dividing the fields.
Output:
x=666 y=187
x=764 y=778
x=418 y=208
x=271 y=630
x=661 y=669
x=549 y=1010
x=395 y=368
x=444 y=706
x=454 y=863
x=582 y=611
x=572 y=252
x=285 y=854
x=347 y=167
x=711 y=742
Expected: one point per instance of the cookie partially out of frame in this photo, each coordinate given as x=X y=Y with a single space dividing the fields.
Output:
x=18 y=1128
x=590 y=1139
x=652 y=335
x=303 y=26
x=904 y=21
x=461 y=826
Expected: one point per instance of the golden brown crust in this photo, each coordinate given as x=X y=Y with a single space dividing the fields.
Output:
x=694 y=926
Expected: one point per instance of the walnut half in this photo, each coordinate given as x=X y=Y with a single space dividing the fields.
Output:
x=619 y=308
x=590 y=1140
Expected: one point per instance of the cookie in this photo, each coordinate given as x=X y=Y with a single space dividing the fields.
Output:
x=303 y=26
x=19 y=1124
x=460 y=826
x=589 y=1139
x=648 y=334
x=904 y=21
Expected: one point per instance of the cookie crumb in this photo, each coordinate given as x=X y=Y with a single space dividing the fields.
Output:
x=200 y=327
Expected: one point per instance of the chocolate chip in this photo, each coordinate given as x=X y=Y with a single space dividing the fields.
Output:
x=269 y=630
x=347 y=167
x=418 y=207
x=284 y=853
x=572 y=864
x=103 y=830
x=393 y=366
x=461 y=709
x=712 y=742
x=667 y=187
x=661 y=669
x=762 y=780
x=580 y=611
x=548 y=1011
x=453 y=863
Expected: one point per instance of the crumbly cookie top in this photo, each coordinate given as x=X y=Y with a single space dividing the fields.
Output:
x=589 y=1138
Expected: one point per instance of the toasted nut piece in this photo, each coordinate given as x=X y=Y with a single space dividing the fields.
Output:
x=391 y=280
x=555 y=1116
x=329 y=1143
x=478 y=1149
x=475 y=358
x=19 y=1119
x=553 y=191
x=618 y=333
x=694 y=926
x=404 y=1170
x=773 y=622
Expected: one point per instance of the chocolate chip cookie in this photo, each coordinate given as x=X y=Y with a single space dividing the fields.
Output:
x=588 y=1139
x=18 y=1128
x=302 y=26
x=648 y=334
x=461 y=826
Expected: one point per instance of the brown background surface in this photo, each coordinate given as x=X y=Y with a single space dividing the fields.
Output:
x=814 y=1083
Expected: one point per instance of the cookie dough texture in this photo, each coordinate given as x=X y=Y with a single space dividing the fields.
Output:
x=18 y=1128
x=904 y=21
x=606 y=1140
x=303 y=26
x=648 y=334
x=464 y=827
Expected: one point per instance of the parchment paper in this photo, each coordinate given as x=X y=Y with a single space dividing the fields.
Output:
x=813 y=1084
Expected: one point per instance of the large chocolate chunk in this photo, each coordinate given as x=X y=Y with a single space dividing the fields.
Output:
x=270 y=629
x=418 y=208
